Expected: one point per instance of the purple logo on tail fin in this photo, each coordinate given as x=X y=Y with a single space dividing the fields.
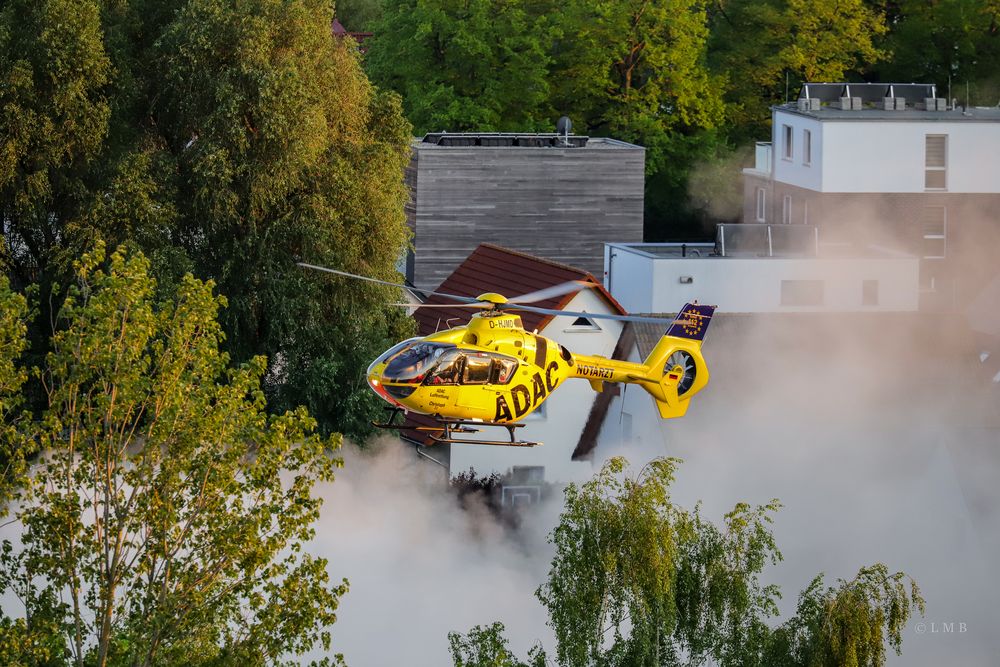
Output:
x=692 y=322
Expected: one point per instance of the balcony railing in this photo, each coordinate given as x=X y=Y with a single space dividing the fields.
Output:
x=758 y=240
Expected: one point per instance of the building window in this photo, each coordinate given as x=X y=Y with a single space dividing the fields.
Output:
x=805 y=212
x=786 y=209
x=786 y=148
x=934 y=230
x=935 y=162
x=522 y=486
x=869 y=292
x=807 y=147
x=801 y=292
x=583 y=324
x=761 y=205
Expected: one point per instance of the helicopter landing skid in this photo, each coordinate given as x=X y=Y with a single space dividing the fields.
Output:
x=462 y=426
x=447 y=428
x=390 y=424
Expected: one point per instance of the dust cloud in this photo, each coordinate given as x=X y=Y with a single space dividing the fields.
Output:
x=712 y=188
x=879 y=433
x=420 y=566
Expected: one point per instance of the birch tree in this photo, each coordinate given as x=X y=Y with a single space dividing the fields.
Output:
x=165 y=518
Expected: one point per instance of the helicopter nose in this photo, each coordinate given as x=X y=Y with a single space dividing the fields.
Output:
x=375 y=381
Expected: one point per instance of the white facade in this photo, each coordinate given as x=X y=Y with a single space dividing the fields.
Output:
x=876 y=151
x=559 y=423
x=800 y=161
x=644 y=282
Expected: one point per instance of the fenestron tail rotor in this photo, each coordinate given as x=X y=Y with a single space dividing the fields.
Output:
x=689 y=370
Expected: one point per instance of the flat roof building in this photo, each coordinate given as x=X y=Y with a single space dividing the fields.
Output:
x=554 y=196
x=892 y=165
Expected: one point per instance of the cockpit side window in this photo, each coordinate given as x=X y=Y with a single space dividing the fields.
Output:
x=448 y=370
x=412 y=364
x=503 y=369
x=477 y=368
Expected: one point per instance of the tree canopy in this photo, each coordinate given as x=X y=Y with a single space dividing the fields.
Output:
x=953 y=43
x=639 y=580
x=691 y=80
x=478 y=65
x=164 y=520
x=230 y=139
x=767 y=48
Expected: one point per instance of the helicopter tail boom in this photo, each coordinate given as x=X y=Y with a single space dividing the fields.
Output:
x=674 y=371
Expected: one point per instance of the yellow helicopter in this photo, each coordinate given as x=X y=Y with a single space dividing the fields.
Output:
x=492 y=372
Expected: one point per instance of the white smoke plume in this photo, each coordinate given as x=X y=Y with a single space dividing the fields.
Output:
x=421 y=566
x=877 y=433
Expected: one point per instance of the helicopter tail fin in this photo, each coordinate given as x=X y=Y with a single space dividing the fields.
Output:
x=692 y=322
x=676 y=369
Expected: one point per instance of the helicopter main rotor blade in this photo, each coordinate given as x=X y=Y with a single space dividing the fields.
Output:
x=593 y=316
x=463 y=299
x=554 y=291
x=481 y=305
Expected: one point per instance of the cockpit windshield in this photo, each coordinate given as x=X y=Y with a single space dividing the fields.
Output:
x=391 y=352
x=412 y=363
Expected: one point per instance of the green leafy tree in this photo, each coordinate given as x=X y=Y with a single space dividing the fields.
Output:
x=635 y=69
x=301 y=160
x=476 y=65
x=762 y=47
x=228 y=139
x=487 y=647
x=53 y=120
x=848 y=624
x=637 y=580
x=13 y=445
x=953 y=43
x=164 y=520
x=359 y=15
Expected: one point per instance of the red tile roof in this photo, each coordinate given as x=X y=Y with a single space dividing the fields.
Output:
x=340 y=31
x=492 y=268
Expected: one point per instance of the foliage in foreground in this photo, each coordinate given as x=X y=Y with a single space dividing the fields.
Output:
x=487 y=647
x=164 y=519
x=637 y=580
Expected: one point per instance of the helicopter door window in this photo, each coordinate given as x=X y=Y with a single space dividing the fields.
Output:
x=503 y=369
x=448 y=370
x=477 y=369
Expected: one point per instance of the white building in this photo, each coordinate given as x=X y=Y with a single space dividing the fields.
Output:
x=661 y=277
x=569 y=421
x=884 y=164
